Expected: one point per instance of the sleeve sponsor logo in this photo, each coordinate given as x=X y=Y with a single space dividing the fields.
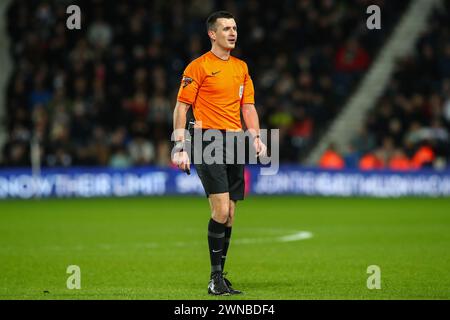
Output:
x=186 y=81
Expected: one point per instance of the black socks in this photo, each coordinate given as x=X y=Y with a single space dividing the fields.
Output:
x=216 y=239
x=226 y=245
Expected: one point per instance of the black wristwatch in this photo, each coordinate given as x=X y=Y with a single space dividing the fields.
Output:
x=179 y=146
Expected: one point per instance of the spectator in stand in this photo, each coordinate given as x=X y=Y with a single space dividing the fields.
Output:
x=399 y=161
x=350 y=62
x=120 y=159
x=352 y=58
x=424 y=157
x=351 y=157
x=331 y=159
x=371 y=161
x=142 y=151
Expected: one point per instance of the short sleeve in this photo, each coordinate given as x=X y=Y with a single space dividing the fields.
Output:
x=248 y=96
x=190 y=83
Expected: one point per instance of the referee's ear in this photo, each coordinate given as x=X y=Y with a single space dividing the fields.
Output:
x=212 y=35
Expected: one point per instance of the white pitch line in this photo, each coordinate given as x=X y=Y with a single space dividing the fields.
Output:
x=297 y=236
x=301 y=235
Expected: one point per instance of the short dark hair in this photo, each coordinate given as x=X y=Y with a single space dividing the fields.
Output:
x=211 y=21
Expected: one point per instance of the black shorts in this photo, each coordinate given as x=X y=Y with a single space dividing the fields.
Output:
x=221 y=176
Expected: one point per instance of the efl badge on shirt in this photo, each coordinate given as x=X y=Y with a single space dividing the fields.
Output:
x=241 y=91
x=186 y=81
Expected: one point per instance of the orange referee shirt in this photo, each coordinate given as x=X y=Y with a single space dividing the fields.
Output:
x=217 y=89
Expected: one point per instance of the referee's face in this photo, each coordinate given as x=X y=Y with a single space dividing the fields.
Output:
x=225 y=35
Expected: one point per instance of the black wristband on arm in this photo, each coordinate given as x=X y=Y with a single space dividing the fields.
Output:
x=179 y=146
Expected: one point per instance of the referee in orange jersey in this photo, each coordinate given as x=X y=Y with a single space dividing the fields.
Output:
x=218 y=87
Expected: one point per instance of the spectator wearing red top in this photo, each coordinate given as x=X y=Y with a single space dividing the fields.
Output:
x=370 y=161
x=331 y=159
x=423 y=157
x=399 y=161
x=351 y=60
x=352 y=57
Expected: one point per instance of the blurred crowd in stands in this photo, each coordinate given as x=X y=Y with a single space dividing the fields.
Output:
x=409 y=127
x=104 y=95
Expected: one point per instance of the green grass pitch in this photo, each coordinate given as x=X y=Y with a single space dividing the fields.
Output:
x=156 y=248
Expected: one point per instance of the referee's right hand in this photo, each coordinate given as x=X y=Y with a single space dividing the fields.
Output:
x=181 y=160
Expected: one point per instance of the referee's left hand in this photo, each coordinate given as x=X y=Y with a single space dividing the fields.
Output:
x=260 y=147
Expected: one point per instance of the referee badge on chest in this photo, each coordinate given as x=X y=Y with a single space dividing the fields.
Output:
x=241 y=91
